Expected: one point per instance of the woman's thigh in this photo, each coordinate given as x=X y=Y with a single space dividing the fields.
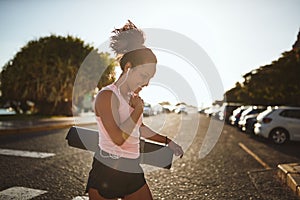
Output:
x=94 y=195
x=143 y=193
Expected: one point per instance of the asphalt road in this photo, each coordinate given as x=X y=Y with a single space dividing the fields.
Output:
x=238 y=167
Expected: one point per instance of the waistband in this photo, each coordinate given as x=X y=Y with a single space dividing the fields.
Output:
x=118 y=163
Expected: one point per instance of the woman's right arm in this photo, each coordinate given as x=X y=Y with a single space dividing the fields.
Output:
x=106 y=107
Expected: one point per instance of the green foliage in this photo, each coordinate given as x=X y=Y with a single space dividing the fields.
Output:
x=274 y=84
x=44 y=71
x=97 y=70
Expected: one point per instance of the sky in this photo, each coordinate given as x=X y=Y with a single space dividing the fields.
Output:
x=236 y=35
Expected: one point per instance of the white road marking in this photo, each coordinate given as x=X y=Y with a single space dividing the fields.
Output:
x=20 y=193
x=81 y=198
x=31 y=154
x=265 y=165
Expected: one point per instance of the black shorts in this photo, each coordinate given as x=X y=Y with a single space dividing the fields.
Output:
x=112 y=179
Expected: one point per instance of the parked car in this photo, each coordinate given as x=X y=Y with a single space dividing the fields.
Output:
x=202 y=110
x=180 y=109
x=250 y=120
x=157 y=109
x=7 y=111
x=249 y=125
x=252 y=111
x=218 y=112
x=279 y=124
x=148 y=111
x=236 y=114
x=228 y=110
x=210 y=111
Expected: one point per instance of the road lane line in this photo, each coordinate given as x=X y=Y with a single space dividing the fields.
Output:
x=20 y=193
x=265 y=165
x=31 y=154
x=81 y=198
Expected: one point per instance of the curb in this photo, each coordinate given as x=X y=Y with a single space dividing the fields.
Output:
x=41 y=128
x=290 y=175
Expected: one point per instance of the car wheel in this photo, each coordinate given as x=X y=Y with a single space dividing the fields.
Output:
x=279 y=136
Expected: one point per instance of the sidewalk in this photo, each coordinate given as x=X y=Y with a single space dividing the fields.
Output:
x=290 y=175
x=26 y=126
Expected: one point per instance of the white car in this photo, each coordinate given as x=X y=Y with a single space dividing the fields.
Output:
x=236 y=114
x=7 y=111
x=279 y=124
x=180 y=109
x=148 y=111
x=250 y=112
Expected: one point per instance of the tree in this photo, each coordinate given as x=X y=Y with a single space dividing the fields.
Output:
x=44 y=71
x=96 y=71
x=274 y=84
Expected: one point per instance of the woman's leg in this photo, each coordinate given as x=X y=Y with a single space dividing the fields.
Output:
x=94 y=195
x=143 y=193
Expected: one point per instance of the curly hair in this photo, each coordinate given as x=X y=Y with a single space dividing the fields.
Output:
x=128 y=44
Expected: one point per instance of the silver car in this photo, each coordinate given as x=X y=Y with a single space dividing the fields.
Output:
x=279 y=124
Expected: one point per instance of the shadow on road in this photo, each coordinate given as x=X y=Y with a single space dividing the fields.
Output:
x=291 y=148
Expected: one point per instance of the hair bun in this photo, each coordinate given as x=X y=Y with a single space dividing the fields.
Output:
x=127 y=39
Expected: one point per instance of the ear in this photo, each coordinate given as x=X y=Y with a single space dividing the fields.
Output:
x=127 y=66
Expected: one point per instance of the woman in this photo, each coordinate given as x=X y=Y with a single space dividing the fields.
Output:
x=116 y=172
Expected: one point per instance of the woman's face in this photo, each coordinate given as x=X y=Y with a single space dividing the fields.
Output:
x=139 y=76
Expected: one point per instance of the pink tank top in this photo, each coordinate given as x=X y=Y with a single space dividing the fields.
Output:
x=130 y=148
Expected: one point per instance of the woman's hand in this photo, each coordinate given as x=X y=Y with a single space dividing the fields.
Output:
x=176 y=149
x=137 y=103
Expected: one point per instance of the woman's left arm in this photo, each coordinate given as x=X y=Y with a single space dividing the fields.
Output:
x=149 y=134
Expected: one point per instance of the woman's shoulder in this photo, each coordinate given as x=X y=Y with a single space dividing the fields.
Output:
x=105 y=95
x=107 y=90
x=105 y=99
